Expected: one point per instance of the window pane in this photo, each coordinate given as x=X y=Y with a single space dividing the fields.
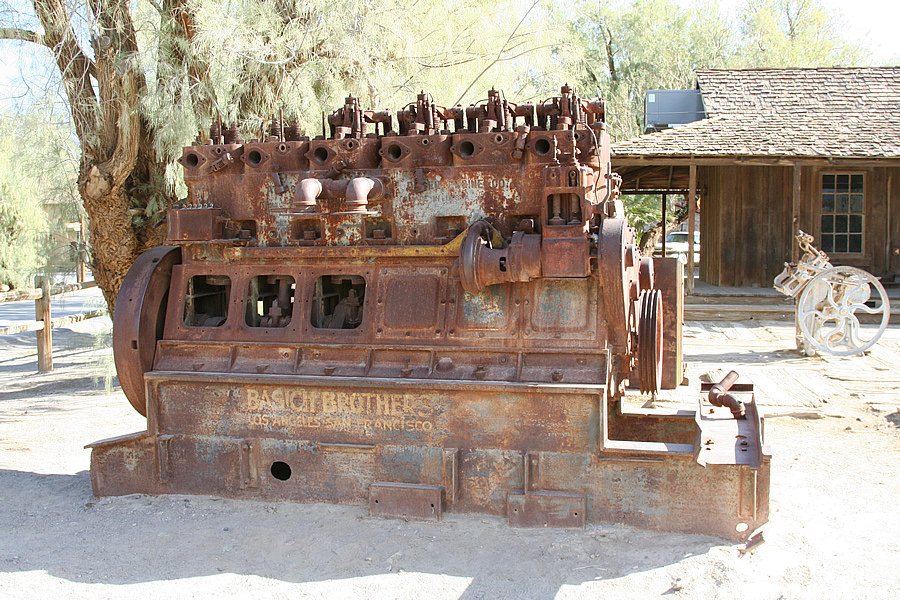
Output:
x=843 y=183
x=855 y=243
x=827 y=224
x=841 y=203
x=827 y=183
x=828 y=243
x=856 y=203
x=840 y=243
x=855 y=223
x=828 y=203
x=840 y=224
x=856 y=183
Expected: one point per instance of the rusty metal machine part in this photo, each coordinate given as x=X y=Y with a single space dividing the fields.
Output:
x=431 y=310
x=481 y=266
x=650 y=342
x=719 y=396
x=139 y=319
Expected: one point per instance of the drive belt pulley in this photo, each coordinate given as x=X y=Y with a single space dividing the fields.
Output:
x=650 y=340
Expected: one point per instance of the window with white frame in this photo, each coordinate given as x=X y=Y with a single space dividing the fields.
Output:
x=843 y=207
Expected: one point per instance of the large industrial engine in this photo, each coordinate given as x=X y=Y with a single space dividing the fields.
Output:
x=432 y=310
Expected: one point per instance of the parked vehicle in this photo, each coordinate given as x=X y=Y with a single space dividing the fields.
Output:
x=677 y=245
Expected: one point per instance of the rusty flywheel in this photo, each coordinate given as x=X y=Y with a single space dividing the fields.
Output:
x=139 y=317
x=650 y=339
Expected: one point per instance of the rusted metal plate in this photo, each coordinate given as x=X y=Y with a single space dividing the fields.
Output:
x=726 y=440
x=360 y=411
x=406 y=500
x=546 y=509
x=669 y=277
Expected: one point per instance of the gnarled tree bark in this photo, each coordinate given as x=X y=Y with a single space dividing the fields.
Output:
x=118 y=165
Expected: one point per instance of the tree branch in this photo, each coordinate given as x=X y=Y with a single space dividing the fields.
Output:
x=74 y=68
x=610 y=54
x=499 y=54
x=14 y=33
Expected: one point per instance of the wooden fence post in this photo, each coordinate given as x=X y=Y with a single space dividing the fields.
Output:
x=45 y=335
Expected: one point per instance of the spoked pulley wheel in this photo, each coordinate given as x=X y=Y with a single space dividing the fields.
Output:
x=650 y=341
x=830 y=307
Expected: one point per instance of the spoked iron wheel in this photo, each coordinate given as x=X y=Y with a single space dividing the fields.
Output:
x=830 y=305
x=650 y=340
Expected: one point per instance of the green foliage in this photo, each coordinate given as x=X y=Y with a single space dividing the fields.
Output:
x=22 y=226
x=251 y=59
x=31 y=172
x=646 y=44
x=792 y=33
x=645 y=210
x=627 y=48
x=35 y=171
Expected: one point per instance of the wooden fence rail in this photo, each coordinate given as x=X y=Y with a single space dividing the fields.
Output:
x=44 y=323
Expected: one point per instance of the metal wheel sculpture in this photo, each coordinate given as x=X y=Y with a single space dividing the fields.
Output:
x=830 y=301
x=828 y=309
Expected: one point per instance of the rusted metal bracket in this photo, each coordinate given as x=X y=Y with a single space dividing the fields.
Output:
x=546 y=509
x=406 y=500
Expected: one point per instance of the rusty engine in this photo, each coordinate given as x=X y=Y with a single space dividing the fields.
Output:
x=434 y=310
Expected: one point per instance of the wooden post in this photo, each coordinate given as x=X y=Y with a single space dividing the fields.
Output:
x=795 y=214
x=665 y=227
x=45 y=335
x=692 y=214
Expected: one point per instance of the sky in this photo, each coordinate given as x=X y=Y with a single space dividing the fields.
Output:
x=869 y=23
x=872 y=24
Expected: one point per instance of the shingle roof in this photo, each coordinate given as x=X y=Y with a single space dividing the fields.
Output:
x=833 y=112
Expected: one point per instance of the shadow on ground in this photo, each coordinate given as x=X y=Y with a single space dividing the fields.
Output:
x=60 y=528
x=744 y=357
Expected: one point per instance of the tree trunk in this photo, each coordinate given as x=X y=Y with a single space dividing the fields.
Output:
x=650 y=237
x=114 y=243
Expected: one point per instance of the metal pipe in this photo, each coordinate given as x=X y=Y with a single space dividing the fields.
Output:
x=719 y=396
x=358 y=191
x=308 y=191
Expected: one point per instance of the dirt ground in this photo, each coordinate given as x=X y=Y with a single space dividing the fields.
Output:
x=834 y=531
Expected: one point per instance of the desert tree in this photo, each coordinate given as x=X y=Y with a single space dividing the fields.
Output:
x=143 y=78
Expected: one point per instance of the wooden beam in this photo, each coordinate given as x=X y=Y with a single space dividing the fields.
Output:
x=888 y=239
x=654 y=191
x=665 y=202
x=795 y=214
x=45 y=335
x=34 y=294
x=641 y=171
x=692 y=212
x=22 y=328
x=57 y=322
x=782 y=161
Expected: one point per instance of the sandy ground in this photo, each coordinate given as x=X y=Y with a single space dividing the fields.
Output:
x=833 y=531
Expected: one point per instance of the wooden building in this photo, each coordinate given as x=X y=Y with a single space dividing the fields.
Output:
x=778 y=150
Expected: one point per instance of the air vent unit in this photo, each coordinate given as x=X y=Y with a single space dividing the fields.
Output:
x=670 y=108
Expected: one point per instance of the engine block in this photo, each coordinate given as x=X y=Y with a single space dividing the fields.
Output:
x=432 y=310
